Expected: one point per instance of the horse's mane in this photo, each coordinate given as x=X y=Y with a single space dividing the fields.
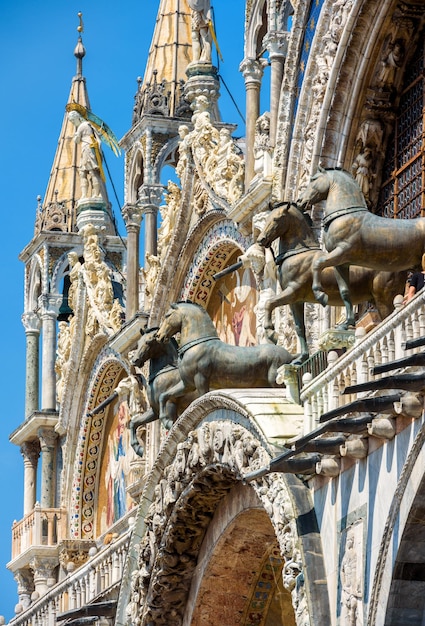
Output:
x=171 y=341
x=307 y=218
x=190 y=302
x=337 y=169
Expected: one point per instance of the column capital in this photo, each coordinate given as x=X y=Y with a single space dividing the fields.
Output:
x=132 y=215
x=50 y=304
x=276 y=42
x=31 y=322
x=30 y=450
x=47 y=437
x=252 y=70
x=150 y=194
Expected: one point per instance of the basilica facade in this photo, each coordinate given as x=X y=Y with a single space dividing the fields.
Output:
x=192 y=453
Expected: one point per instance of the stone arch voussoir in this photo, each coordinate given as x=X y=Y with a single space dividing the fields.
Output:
x=205 y=465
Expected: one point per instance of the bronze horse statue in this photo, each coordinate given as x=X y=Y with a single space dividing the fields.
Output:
x=354 y=235
x=298 y=248
x=163 y=374
x=205 y=362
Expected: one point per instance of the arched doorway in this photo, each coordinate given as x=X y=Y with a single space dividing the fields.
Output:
x=238 y=578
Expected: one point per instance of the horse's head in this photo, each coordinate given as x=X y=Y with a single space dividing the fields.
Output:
x=316 y=190
x=171 y=324
x=276 y=224
x=146 y=347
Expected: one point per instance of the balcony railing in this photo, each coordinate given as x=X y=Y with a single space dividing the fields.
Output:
x=384 y=344
x=100 y=574
x=41 y=527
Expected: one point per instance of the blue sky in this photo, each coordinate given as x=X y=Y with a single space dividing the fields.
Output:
x=37 y=40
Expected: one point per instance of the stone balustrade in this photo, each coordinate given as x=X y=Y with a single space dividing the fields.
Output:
x=81 y=586
x=41 y=527
x=384 y=344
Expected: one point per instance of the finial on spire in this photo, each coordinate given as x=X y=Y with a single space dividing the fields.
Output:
x=80 y=28
x=80 y=51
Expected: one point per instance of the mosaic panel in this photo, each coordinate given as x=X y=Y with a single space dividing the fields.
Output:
x=89 y=448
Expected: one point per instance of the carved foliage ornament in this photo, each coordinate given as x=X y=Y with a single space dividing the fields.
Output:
x=205 y=467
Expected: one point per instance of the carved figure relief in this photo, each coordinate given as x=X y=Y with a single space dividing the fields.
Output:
x=75 y=267
x=168 y=215
x=102 y=313
x=351 y=578
x=262 y=147
x=261 y=262
x=391 y=61
x=362 y=169
x=62 y=357
x=218 y=161
x=150 y=274
x=324 y=62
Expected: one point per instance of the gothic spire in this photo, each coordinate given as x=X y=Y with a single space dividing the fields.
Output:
x=59 y=207
x=160 y=92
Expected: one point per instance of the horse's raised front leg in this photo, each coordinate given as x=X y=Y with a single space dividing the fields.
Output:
x=134 y=424
x=269 y=331
x=320 y=261
x=342 y=275
x=176 y=391
x=297 y=310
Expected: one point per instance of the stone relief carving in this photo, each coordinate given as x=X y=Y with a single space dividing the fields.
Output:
x=363 y=173
x=130 y=390
x=205 y=467
x=391 y=61
x=261 y=262
x=262 y=148
x=98 y=279
x=218 y=161
x=351 y=578
x=324 y=60
x=168 y=214
x=62 y=357
x=104 y=313
x=369 y=148
x=150 y=275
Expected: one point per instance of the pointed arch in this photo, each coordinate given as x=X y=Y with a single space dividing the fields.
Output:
x=135 y=177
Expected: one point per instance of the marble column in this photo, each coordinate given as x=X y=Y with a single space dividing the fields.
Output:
x=252 y=71
x=47 y=437
x=32 y=324
x=277 y=45
x=132 y=216
x=49 y=312
x=150 y=196
x=30 y=451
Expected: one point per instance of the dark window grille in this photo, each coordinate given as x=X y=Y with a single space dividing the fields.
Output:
x=403 y=188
